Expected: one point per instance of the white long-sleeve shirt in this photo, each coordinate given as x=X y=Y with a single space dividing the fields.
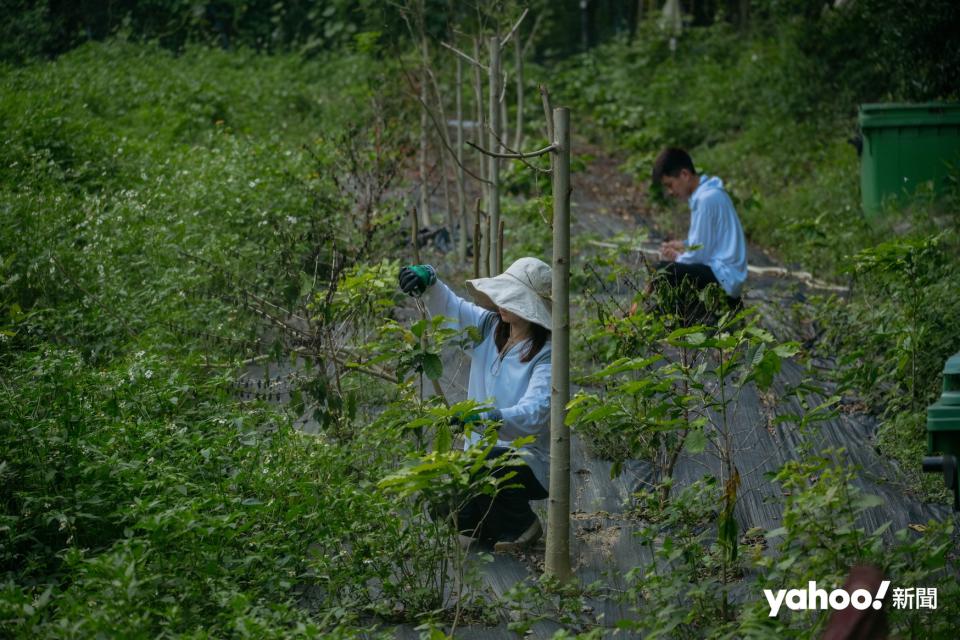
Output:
x=715 y=226
x=520 y=390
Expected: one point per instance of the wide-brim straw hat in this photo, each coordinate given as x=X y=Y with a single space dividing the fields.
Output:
x=523 y=289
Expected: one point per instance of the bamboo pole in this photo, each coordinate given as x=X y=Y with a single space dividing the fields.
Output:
x=461 y=190
x=493 y=205
x=557 y=561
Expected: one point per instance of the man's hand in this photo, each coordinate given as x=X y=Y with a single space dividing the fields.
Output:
x=671 y=249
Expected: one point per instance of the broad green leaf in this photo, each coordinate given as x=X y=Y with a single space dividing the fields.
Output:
x=600 y=412
x=432 y=366
x=869 y=501
x=418 y=328
x=696 y=441
x=444 y=438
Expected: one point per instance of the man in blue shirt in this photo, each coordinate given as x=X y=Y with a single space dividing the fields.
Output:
x=715 y=251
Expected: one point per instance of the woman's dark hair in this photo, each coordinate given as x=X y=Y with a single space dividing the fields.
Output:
x=538 y=338
x=671 y=162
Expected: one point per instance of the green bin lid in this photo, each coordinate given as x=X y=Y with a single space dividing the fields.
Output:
x=951 y=382
x=893 y=114
x=953 y=365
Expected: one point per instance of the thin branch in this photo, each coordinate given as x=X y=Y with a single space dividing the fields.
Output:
x=248 y=291
x=518 y=155
x=515 y=156
x=547 y=111
x=437 y=389
x=355 y=366
x=442 y=137
x=510 y=33
x=533 y=32
x=465 y=56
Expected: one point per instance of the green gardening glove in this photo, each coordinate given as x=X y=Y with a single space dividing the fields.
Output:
x=415 y=279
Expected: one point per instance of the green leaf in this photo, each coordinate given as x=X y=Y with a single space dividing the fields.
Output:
x=616 y=469
x=474 y=334
x=787 y=349
x=418 y=328
x=600 y=413
x=869 y=501
x=432 y=366
x=696 y=441
x=444 y=439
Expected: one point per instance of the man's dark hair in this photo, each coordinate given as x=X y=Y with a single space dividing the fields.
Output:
x=670 y=162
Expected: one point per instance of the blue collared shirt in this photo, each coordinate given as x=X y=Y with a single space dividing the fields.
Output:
x=715 y=227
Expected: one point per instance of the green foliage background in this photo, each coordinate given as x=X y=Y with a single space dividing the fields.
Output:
x=141 y=143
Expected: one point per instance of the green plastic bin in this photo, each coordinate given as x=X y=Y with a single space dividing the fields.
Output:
x=904 y=146
x=943 y=431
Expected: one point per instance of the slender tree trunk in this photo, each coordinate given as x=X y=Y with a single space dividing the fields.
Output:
x=493 y=206
x=518 y=134
x=486 y=246
x=461 y=190
x=444 y=133
x=414 y=232
x=500 y=244
x=424 y=140
x=479 y=132
x=558 y=518
x=445 y=176
x=476 y=242
x=502 y=84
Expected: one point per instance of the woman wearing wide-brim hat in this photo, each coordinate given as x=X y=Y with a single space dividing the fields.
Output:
x=510 y=370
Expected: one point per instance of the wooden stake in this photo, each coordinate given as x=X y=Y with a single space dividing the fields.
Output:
x=557 y=562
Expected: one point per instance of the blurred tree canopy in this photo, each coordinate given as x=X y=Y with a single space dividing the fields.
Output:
x=863 y=49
